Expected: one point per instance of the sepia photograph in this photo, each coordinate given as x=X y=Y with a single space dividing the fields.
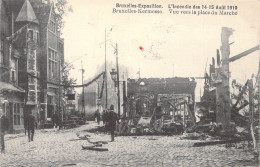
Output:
x=129 y=83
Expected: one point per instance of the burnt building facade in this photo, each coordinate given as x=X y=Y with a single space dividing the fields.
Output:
x=151 y=101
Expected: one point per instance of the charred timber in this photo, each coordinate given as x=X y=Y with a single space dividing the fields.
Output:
x=244 y=53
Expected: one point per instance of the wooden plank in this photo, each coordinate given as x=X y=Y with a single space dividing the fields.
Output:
x=207 y=143
x=94 y=148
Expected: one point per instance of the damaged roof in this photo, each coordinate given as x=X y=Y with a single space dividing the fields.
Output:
x=176 y=85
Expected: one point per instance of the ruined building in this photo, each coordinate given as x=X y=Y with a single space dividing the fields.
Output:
x=152 y=102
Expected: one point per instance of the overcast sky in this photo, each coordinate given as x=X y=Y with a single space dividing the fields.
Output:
x=185 y=41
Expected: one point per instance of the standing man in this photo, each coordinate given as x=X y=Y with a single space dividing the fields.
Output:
x=4 y=124
x=112 y=119
x=30 y=123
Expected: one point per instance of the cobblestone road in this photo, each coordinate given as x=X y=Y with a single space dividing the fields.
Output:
x=52 y=148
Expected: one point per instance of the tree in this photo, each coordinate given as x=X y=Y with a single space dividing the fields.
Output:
x=62 y=9
x=66 y=80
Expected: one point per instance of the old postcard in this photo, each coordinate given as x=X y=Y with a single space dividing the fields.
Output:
x=129 y=83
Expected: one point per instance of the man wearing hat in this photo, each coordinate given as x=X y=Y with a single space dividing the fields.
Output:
x=30 y=124
x=112 y=119
x=4 y=124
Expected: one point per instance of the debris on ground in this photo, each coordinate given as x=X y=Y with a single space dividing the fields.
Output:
x=94 y=148
x=207 y=143
x=194 y=136
x=95 y=145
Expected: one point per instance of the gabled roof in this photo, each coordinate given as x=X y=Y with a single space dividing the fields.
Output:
x=27 y=14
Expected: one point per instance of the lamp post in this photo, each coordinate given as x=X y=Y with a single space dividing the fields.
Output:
x=114 y=75
x=83 y=96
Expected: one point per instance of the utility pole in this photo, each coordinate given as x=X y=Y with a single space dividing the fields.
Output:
x=106 y=64
x=118 y=86
x=124 y=99
x=83 y=96
x=97 y=97
x=258 y=112
x=172 y=70
x=139 y=73
x=60 y=114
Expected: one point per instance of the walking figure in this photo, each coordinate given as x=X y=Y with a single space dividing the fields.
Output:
x=30 y=124
x=112 y=119
x=4 y=124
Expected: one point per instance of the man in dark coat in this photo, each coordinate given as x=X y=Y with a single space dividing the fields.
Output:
x=30 y=124
x=111 y=122
x=4 y=124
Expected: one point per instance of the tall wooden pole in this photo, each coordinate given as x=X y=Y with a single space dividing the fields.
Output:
x=83 y=96
x=251 y=111
x=118 y=86
x=59 y=108
x=124 y=99
x=106 y=64
x=258 y=111
x=184 y=115
x=172 y=70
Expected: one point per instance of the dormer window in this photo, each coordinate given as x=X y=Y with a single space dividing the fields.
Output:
x=14 y=68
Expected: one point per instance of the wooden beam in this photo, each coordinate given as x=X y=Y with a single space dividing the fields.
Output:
x=240 y=95
x=207 y=143
x=243 y=54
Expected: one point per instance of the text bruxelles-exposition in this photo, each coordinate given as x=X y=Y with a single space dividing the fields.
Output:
x=142 y=8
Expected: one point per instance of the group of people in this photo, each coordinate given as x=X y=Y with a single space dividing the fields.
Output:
x=110 y=119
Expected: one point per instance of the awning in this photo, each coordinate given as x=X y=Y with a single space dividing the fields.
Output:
x=8 y=86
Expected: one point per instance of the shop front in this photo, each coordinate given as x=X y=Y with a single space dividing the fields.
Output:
x=12 y=104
